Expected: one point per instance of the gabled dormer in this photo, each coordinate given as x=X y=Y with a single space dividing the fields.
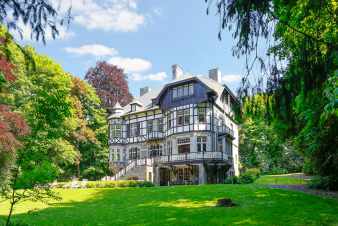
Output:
x=135 y=106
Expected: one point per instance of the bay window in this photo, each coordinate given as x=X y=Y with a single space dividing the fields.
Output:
x=183 y=117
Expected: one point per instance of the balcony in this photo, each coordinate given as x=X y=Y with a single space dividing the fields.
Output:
x=117 y=140
x=154 y=135
x=192 y=157
x=224 y=130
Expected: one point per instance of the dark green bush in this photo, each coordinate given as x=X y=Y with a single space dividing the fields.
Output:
x=246 y=179
x=92 y=173
x=231 y=180
x=326 y=183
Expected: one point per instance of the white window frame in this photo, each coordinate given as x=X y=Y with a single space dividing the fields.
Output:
x=183 y=142
x=202 y=143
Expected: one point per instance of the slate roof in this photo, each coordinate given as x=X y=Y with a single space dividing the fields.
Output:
x=145 y=101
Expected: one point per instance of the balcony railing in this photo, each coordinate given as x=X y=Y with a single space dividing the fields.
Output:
x=223 y=129
x=154 y=135
x=193 y=156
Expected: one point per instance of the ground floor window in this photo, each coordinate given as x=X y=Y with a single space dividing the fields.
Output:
x=169 y=147
x=134 y=153
x=183 y=145
x=116 y=154
x=220 y=144
x=228 y=147
x=202 y=144
x=155 y=150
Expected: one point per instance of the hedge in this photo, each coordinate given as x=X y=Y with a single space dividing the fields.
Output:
x=102 y=184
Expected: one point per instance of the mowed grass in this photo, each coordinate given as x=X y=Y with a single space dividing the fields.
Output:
x=179 y=205
x=283 y=179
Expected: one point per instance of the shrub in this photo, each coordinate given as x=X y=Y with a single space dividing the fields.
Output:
x=105 y=184
x=277 y=170
x=92 y=173
x=255 y=172
x=326 y=183
x=246 y=179
x=231 y=180
x=133 y=178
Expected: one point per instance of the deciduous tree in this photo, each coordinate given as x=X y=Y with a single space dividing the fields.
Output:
x=110 y=84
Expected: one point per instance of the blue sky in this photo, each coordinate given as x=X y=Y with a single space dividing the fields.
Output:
x=145 y=37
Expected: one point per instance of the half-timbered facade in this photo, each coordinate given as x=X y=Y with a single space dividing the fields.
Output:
x=182 y=133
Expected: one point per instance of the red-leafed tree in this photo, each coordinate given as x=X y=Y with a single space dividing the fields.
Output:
x=12 y=124
x=110 y=84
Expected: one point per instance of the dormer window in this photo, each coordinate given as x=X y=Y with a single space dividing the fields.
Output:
x=133 y=107
x=183 y=91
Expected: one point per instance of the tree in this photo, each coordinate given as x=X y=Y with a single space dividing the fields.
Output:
x=110 y=84
x=12 y=124
x=90 y=136
x=301 y=70
x=41 y=16
x=261 y=144
x=41 y=94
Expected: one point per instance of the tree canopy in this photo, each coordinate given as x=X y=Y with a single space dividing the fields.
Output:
x=301 y=71
x=110 y=84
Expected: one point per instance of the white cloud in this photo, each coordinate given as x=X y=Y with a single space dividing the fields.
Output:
x=231 y=78
x=160 y=76
x=107 y=15
x=131 y=64
x=92 y=49
x=157 y=76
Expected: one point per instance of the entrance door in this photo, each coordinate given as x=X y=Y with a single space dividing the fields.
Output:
x=164 y=176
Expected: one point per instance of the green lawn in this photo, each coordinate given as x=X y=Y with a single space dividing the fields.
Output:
x=180 y=205
x=284 y=179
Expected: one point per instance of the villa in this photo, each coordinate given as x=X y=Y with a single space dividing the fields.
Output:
x=183 y=133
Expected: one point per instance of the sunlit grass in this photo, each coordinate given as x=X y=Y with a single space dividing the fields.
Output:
x=180 y=205
x=285 y=179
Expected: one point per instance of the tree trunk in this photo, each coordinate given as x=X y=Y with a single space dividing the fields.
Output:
x=11 y=209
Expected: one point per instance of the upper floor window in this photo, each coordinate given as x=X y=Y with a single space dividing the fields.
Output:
x=116 y=130
x=201 y=144
x=183 y=145
x=169 y=147
x=133 y=107
x=202 y=115
x=170 y=120
x=183 y=91
x=134 y=129
x=150 y=126
x=225 y=98
x=183 y=117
